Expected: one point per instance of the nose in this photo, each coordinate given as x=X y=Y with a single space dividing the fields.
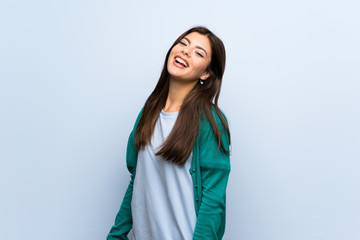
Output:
x=186 y=52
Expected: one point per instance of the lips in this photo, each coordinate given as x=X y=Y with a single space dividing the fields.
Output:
x=180 y=62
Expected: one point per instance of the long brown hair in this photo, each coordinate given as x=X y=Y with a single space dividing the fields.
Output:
x=199 y=101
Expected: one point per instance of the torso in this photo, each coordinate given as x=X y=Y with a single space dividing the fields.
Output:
x=163 y=198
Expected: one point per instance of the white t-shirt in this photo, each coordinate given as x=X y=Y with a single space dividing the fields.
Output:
x=163 y=199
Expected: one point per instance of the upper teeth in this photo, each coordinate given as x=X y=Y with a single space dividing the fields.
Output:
x=181 y=61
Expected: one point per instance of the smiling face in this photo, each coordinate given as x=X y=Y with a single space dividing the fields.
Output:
x=189 y=59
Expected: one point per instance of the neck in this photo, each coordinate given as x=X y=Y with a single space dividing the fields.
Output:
x=178 y=90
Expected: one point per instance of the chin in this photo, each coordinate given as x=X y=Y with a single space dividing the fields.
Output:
x=173 y=72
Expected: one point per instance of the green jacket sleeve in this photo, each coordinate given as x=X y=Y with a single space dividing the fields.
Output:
x=123 y=220
x=215 y=170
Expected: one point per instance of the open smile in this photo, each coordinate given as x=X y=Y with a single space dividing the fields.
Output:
x=180 y=62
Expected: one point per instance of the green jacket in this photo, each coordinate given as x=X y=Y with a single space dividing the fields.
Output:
x=210 y=172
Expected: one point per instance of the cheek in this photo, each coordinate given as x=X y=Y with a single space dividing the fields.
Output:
x=175 y=49
x=200 y=65
x=172 y=53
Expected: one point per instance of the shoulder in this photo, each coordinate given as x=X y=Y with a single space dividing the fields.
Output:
x=206 y=132
x=205 y=124
x=210 y=152
x=138 y=118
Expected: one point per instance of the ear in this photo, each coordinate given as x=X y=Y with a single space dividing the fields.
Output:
x=205 y=76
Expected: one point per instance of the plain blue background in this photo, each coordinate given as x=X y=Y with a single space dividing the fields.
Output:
x=74 y=75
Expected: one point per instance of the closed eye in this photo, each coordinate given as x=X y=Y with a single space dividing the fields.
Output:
x=183 y=43
x=199 y=54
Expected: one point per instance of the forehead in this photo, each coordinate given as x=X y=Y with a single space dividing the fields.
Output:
x=199 y=40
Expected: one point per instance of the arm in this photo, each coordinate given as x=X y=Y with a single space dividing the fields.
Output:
x=215 y=170
x=123 y=220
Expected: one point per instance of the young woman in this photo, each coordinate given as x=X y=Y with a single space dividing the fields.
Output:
x=178 y=150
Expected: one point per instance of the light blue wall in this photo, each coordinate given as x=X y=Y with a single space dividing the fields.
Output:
x=74 y=75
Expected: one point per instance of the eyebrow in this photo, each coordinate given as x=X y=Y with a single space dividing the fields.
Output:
x=195 y=46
